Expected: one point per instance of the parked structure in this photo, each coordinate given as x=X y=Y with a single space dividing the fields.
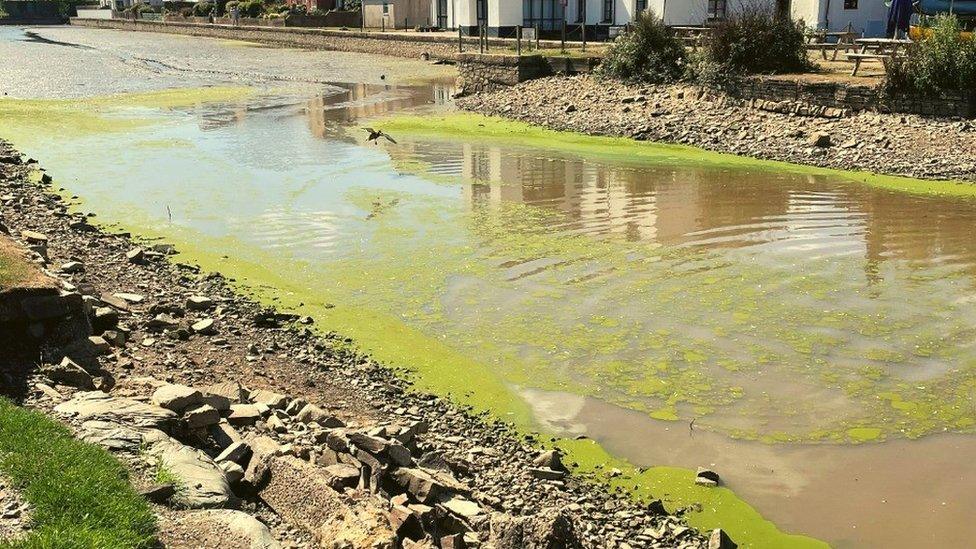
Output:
x=397 y=14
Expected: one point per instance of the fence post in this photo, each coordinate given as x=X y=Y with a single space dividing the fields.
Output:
x=486 y=37
x=460 y=41
x=383 y=24
x=562 y=44
x=536 y=37
x=518 y=40
x=481 y=39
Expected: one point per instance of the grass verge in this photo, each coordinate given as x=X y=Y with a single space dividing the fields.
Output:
x=13 y=268
x=80 y=493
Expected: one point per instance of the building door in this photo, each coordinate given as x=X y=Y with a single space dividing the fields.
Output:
x=442 y=14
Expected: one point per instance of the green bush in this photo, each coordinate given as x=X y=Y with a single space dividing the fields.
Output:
x=753 y=39
x=251 y=8
x=203 y=9
x=942 y=61
x=648 y=53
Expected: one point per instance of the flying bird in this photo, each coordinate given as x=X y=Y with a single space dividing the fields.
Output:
x=376 y=134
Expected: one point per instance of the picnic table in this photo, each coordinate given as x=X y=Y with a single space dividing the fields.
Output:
x=886 y=50
x=842 y=40
x=691 y=36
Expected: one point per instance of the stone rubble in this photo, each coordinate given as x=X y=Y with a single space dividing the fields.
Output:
x=895 y=144
x=323 y=445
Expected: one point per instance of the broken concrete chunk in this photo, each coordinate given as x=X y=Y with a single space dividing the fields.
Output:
x=69 y=373
x=231 y=390
x=176 y=397
x=269 y=398
x=204 y=327
x=203 y=484
x=99 y=405
x=246 y=414
x=201 y=416
x=198 y=303
x=237 y=452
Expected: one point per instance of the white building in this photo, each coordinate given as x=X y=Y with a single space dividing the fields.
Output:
x=865 y=17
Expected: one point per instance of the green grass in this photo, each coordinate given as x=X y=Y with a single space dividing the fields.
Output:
x=13 y=269
x=80 y=493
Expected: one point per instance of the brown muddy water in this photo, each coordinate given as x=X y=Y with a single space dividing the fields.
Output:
x=808 y=336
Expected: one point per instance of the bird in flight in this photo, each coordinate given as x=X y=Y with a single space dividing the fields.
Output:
x=376 y=134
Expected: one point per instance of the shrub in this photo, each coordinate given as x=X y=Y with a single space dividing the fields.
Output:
x=755 y=40
x=202 y=9
x=251 y=8
x=649 y=53
x=941 y=61
x=317 y=12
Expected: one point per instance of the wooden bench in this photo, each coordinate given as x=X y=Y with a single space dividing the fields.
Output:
x=886 y=50
x=858 y=57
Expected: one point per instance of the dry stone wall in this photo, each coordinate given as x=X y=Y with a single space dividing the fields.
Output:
x=397 y=45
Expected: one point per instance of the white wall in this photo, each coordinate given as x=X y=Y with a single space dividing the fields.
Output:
x=504 y=13
x=680 y=12
x=870 y=17
x=459 y=12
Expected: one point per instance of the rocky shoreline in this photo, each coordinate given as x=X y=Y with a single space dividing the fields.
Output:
x=892 y=144
x=247 y=428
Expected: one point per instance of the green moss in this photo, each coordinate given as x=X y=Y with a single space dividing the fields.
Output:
x=864 y=434
x=708 y=507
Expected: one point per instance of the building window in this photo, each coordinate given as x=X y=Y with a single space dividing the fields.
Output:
x=442 y=14
x=716 y=10
x=850 y=4
x=547 y=14
x=386 y=8
x=641 y=6
x=608 y=11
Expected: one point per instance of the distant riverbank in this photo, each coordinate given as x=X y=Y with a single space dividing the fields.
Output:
x=892 y=144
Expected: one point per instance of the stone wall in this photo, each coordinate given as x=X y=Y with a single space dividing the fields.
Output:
x=834 y=99
x=29 y=316
x=486 y=72
x=397 y=45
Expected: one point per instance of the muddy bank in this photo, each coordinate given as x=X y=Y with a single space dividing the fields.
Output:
x=259 y=409
x=906 y=145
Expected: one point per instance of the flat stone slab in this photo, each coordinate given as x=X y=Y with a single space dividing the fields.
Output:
x=96 y=405
x=203 y=484
x=223 y=528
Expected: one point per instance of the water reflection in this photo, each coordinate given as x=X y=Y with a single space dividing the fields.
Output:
x=817 y=216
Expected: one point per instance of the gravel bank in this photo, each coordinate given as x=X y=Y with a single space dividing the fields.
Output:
x=170 y=340
x=906 y=145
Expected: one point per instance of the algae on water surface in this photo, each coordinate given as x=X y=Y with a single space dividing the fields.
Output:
x=492 y=277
